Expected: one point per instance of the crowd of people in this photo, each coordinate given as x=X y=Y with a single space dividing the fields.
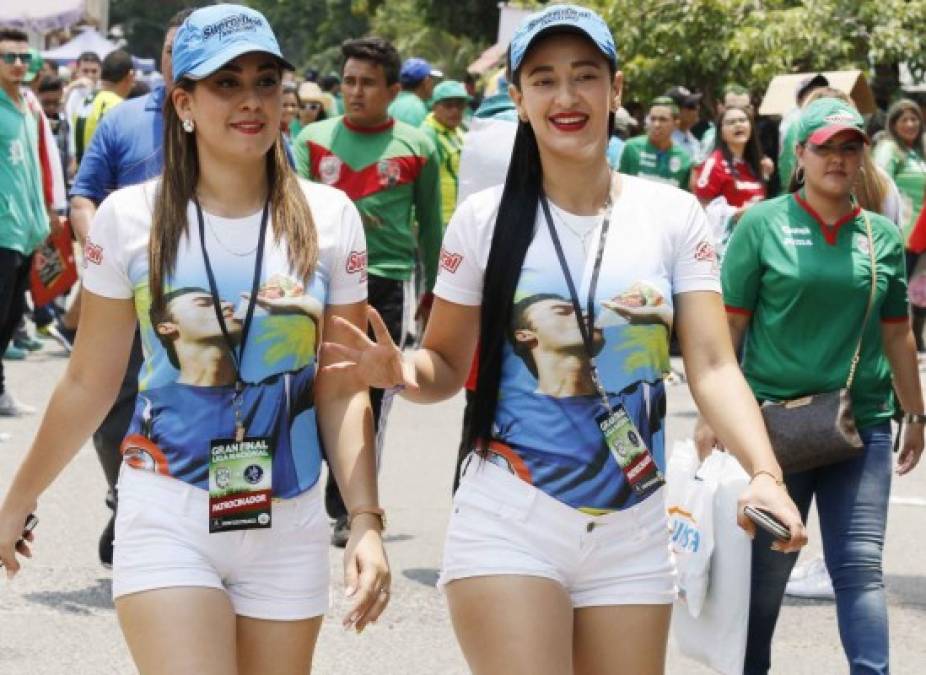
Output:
x=268 y=261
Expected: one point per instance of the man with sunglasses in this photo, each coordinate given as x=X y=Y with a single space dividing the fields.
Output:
x=24 y=221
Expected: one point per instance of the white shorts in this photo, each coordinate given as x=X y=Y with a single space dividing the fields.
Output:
x=502 y=525
x=163 y=541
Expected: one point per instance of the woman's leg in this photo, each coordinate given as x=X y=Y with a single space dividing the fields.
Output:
x=276 y=647
x=179 y=630
x=621 y=639
x=770 y=572
x=852 y=498
x=517 y=625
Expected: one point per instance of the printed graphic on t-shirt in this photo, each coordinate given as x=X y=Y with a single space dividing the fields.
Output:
x=545 y=424
x=187 y=392
x=176 y=419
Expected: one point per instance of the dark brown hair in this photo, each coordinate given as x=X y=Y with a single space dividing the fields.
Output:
x=894 y=113
x=377 y=50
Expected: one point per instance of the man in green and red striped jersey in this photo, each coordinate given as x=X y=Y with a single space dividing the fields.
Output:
x=391 y=172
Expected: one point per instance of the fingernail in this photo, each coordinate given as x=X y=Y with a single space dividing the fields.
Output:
x=349 y=591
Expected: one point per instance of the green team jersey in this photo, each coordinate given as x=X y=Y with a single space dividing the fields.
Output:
x=908 y=169
x=409 y=108
x=391 y=174
x=641 y=158
x=805 y=286
x=23 y=218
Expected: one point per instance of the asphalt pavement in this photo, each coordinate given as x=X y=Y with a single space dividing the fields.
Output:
x=57 y=617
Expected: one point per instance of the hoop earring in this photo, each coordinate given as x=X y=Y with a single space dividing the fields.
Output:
x=188 y=126
x=799 y=175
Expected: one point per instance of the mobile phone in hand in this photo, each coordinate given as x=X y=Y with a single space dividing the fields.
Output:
x=768 y=522
x=31 y=521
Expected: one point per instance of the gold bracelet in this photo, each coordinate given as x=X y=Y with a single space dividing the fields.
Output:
x=368 y=510
x=778 y=481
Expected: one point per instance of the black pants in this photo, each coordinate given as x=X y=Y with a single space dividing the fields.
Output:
x=108 y=438
x=14 y=281
x=386 y=296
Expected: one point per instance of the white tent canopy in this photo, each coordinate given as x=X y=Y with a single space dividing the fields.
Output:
x=41 y=16
x=87 y=41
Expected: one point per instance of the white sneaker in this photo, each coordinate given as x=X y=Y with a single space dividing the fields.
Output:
x=10 y=407
x=811 y=580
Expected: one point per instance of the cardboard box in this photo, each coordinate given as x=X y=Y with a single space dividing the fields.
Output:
x=780 y=97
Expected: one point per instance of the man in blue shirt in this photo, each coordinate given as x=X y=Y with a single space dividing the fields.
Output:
x=126 y=149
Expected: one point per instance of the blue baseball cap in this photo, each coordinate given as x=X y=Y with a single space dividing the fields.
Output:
x=214 y=35
x=556 y=18
x=414 y=70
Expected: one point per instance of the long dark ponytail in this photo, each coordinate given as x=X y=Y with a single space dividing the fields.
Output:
x=514 y=231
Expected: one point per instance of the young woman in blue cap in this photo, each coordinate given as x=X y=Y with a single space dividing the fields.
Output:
x=569 y=278
x=789 y=262
x=234 y=270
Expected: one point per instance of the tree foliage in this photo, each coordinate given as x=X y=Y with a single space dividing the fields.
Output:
x=707 y=43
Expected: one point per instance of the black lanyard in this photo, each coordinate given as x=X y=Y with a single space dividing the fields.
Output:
x=237 y=358
x=586 y=327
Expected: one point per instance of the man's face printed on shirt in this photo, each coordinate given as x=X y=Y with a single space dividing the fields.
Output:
x=547 y=323
x=189 y=317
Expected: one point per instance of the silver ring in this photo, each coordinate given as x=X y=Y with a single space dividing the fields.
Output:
x=384 y=591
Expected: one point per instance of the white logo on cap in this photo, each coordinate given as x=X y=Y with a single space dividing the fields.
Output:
x=839 y=117
x=230 y=25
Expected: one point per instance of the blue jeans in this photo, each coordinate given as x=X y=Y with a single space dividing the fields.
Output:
x=852 y=498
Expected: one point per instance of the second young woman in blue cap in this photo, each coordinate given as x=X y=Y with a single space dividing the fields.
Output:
x=234 y=269
x=569 y=279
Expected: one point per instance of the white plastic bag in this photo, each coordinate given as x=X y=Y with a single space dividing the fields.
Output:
x=717 y=637
x=690 y=507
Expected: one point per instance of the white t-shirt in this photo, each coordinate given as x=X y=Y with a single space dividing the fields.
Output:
x=178 y=411
x=658 y=246
x=485 y=155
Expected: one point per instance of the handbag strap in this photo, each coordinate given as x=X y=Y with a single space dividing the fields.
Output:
x=856 y=356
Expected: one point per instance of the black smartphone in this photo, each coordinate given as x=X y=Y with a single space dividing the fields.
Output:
x=768 y=522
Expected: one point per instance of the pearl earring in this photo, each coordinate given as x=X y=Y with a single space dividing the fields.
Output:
x=188 y=126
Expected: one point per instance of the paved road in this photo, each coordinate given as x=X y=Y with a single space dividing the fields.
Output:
x=57 y=617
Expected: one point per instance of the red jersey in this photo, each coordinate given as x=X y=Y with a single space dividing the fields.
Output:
x=716 y=179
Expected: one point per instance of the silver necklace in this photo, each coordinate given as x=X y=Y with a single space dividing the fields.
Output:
x=582 y=237
x=239 y=254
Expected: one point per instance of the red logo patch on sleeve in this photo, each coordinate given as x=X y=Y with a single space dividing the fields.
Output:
x=93 y=252
x=705 y=252
x=357 y=262
x=450 y=261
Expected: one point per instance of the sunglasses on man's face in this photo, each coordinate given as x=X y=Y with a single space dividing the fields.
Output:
x=9 y=58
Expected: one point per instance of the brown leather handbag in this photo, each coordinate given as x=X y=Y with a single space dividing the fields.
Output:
x=819 y=429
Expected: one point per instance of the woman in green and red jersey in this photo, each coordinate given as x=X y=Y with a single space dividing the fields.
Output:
x=797 y=275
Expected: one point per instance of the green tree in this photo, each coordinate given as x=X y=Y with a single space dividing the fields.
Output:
x=401 y=22
x=707 y=43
